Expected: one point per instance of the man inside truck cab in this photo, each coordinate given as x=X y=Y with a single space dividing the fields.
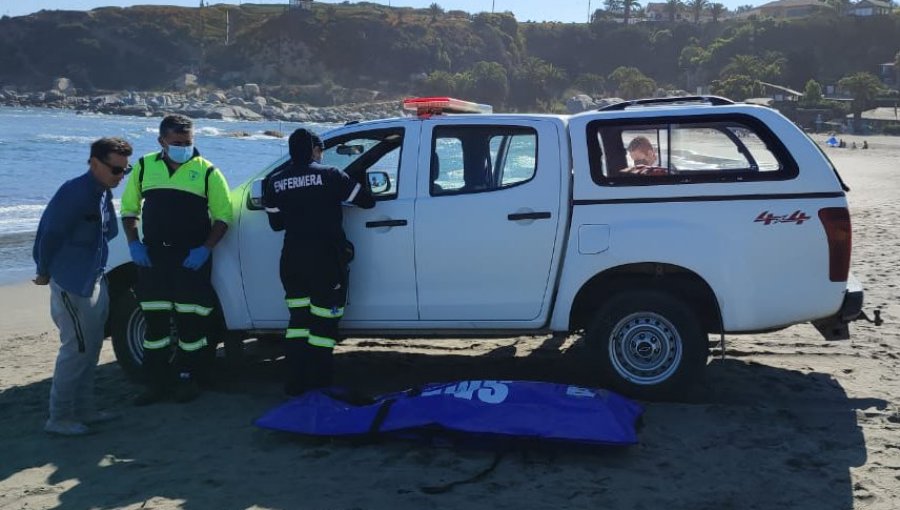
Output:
x=305 y=199
x=643 y=154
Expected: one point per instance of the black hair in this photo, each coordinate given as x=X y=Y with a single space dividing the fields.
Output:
x=300 y=145
x=175 y=124
x=103 y=147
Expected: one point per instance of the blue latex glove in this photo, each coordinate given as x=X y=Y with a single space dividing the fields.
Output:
x=196 y=258
x=139 y=253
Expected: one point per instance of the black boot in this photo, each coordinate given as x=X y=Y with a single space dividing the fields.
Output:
x=156 y=370
x=186 y=388
x=296 y=377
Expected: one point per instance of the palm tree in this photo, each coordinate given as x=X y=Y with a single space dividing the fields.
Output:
x=697 y=7
x=628 y=6
x=864 y=87
x=613 y=6
x=672 y=8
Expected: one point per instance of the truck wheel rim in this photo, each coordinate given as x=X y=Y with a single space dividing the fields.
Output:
x=137 y=328
x=645 y=348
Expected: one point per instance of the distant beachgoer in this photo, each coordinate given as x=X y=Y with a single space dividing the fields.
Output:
x=865 y=144
x=853 y=146
x=70 y=251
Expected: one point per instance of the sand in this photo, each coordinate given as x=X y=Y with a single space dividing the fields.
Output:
x=784 y=421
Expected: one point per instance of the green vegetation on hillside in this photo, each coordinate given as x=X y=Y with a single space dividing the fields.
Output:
x=487 y=57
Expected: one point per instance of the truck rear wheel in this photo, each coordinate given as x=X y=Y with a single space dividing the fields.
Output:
x=128 y=327
x=648 y=344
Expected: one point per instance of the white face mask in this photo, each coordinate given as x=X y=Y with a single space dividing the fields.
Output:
x=180 y=154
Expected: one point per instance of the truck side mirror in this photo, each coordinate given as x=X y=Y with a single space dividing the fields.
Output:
x=379 y=182
x=254 y=199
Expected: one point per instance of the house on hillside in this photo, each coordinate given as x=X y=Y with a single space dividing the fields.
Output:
x=303 y=5
x=785 y=9
x=780 y=93
x=657 y=11
x=869 y=8
x=888 y=74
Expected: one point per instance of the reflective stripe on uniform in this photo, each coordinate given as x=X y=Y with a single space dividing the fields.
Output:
x=322 y=341
x=199 y=310
x=297 y=302
x=157 y=344
x=328 y=313
x=296 y=333
x=155 y=306
x=192 y=346
x=273 y=210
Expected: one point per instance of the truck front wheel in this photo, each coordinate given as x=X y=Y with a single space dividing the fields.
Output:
x=648 y=344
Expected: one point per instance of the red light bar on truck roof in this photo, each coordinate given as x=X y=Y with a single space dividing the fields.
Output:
x=427 y=106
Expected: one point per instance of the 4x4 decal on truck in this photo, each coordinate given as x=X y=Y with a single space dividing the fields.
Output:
x=768 y=218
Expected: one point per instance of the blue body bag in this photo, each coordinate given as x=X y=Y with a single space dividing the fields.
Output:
x=482 y=409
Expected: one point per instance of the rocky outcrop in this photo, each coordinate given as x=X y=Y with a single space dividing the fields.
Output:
x=246 y=102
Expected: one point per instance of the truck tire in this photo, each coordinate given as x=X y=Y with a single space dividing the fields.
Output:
x=648 y=344
x=127 y=328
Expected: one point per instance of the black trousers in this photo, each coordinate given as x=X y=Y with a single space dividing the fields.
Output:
x=315 y=276
x=171 y=294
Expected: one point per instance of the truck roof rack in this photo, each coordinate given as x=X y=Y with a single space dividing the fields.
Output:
x=656 y=101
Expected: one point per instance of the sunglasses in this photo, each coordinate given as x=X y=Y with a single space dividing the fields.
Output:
x=118 y=170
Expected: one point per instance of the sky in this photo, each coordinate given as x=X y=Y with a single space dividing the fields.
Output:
x=566 y=11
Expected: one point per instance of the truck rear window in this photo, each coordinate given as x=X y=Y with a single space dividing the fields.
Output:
x=684 y=151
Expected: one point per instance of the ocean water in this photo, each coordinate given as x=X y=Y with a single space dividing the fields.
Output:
x=40 y=149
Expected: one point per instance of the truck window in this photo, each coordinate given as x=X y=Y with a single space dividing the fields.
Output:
x=471 y=159
x=374 y=151
x=684 y=152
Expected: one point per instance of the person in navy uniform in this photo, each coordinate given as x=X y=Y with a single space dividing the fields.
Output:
x=70 y=252
x=304 y=199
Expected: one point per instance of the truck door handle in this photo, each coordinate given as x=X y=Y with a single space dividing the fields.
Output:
x=386 y=223
x=529 y=216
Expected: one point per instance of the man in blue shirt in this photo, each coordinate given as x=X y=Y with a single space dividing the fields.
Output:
x=70 y=252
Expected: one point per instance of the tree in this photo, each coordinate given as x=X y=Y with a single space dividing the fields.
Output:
x=536 y=82
x=837 y=7
x=716 y=10
x=631 y=83
x=737 y=87
x=672 y=9
x=435 y=10
x=697 y=7
x=439 y=83
x=613 y=6
x=591 y=84
x=767 y=68
x=489 y=83
x=812 y=94
x=627 y=7
x=897 y=70
x=864 y=87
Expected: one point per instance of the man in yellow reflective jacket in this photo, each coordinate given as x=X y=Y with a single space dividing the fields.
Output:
x=183 y=204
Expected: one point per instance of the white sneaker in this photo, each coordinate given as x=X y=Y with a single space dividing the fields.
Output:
x=97 y=417
x=66 y=428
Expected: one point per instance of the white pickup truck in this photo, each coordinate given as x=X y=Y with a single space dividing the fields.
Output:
x=521 y=224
